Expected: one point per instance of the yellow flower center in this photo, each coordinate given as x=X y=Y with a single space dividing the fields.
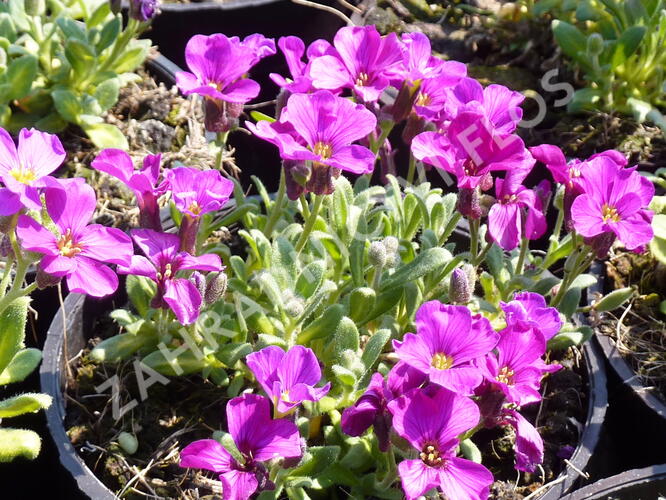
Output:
x=509 y=198
x=194 y=208
x=167 y=273
x=441 y=361
x=322 y=149
x=66 y=245
x=423 y=99
x=362 y=79
x=609 y=214
x=430 y=456
x=23 y=175
x=505 y=376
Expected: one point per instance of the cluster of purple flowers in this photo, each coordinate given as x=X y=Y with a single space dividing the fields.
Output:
x=288 y=379
x=72 y=248
x=455 y=376
x=453 y=124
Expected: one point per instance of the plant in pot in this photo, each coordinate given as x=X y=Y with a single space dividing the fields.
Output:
x=275 y=368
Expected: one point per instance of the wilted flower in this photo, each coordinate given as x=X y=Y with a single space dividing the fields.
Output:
x=529 y=445
x=431 y=422
x=144 y=182
x=365 y=62
x=371 y=408
x=320 y=128
x=288 y=378
x=79 y=251
x=162 y=264
x=23 y=170
x=258 y=438
x=219 y=66
x=448 y=338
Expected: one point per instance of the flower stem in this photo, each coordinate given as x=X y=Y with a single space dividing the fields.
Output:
x=276 y=207
x=221 y=143
x=474 y=239
x=482 y=256
x=309 y=222
x=582 y=263
x=412 y=169
x=448 y=230
x=524 y=247
x=391 y=475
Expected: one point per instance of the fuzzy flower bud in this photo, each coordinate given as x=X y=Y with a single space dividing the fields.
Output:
x=294 y=307
x=143 y=10
x=391 y=244
x=221 y=116
x=595 y=45
x=45 y=280
x=469 y=203
x=199 y=281
x=216 y=288
x=377 y=254
x=459 y=287
x=5 y=247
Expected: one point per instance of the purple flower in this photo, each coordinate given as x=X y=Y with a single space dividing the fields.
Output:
x=448 y=338
x=219 y=66
x=420 y=64
x=288 y=378
x=471 y=149
x=258 y=438
x=143 y=10
x=518 y=213
x=529 y=310
x=144 y=182
x=23 y=169
x=79 y=251
x=614 y=204
x=371 y=408
x=516 y=370
x=365 y=62
x=432 y=424
x=432 y=97
x=195 y=193
x=293 y=49
x=162 y=264
x=320 y=128
x=529 y=445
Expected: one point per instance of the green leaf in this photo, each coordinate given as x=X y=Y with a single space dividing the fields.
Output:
x=571 y=40
x=258 y=116
x=613 y=300
x=140 y=291
x=229 y=354
x=584 y=100
x=186 y=363
x=316 y=460
x=67 y=104
x=98 y=15
x=627 y=44
x=345 y=337
x=564 y=340
x=344 y=375
x=80 y=56
x=109 y=34
x=427 y=261
x=357 y=251
x=584 y=281
x=374 y=347
x=570 y=302
x=24 y=403
x=72 y=29
x=21 y=365
x=105 y=135
x=361 y=300
x=21 y=74
x=385 y=301
x=16 y=443
x=323 y=326
x=470 y=451
x=311 y=279
x=106 y=93
x=12 y=330
x=120 y=347
x=133 y=57
x=52 y=123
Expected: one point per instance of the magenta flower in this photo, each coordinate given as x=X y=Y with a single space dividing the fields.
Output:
x=365 y=62
x=518 y=213
x=258 y=438
x=614 y=205
x=529 y=310
x=448 y=338
x=293 y=49
x=288 y=378
x=371 y=408
x=23 y=169
x=79 y=251
x=471 y=149
x=431 y=423
x=195 y=193
x=320 y=128
x=144 y=182
x=529 y=445
x=517 y=369
x=162 y=264
x=432 y=98
x=219 y=66
x=420 y=64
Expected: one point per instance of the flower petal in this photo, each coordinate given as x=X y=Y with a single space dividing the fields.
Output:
x=264 y=365
x=106 y=244
x=206 y=454
x=92 y=278
x=183 y=298
x=417 y=478
x=465 y=479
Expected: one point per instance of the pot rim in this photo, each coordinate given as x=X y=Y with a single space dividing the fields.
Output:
x=618 y=482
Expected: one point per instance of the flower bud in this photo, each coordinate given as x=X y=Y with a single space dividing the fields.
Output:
x=472 y=276
x=321 y=179
x=486 y=182
x=459 y=287
x=45 y=280
x=128 y=442
x=377 y=254
x=391 y=244
x=143 y=10
x=595 y=45
x=543 y=193
x=189 y=228
x=221 y=116
x=294 y=307
x=468 y=203
x=6 y=224
x=216 y=288
x=199 y=281
x=115 y=6
x=34 y=7
x=601 y=244
x=297 y=175
x=414 y=126
x=402 y=106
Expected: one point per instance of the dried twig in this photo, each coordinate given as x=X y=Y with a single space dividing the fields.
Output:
x=326 y=8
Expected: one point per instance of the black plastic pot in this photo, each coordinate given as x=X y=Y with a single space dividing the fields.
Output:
x=634 y=405
x=638 y=484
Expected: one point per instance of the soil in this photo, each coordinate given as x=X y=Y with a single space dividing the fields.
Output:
x=188 y=408
x=639 y=329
